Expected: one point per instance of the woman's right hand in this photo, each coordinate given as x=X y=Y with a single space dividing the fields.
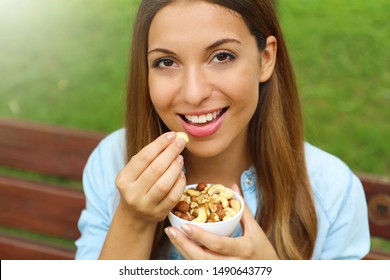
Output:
x=152 y=182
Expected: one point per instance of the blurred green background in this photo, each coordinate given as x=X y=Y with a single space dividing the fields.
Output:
x=65 y=62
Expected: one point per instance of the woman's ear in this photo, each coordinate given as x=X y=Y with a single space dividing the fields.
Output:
x=268 y=59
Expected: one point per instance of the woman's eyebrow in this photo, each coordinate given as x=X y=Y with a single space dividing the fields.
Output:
x=221 y=42
x=162 y=50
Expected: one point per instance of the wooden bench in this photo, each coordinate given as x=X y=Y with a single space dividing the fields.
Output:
x=41 y=206
x=51 y=209
x=377 y=190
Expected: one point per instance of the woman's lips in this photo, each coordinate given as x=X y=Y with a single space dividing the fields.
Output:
x=202 y=125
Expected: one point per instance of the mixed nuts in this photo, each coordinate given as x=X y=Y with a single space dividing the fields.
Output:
x=207 y=204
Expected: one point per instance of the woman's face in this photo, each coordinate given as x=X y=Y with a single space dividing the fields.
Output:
x=204 y=74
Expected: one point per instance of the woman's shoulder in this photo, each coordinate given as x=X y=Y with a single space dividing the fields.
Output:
x=331 y=179
x=113 y=145
x=110 y=154
x=320 y=162
x=114 y=139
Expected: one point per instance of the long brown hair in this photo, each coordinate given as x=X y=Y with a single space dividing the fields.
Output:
x=286 y=210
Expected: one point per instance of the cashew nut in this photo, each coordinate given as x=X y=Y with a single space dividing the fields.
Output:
x=217 y=188
x=221 y=190
x=229 y=210
x=185 y=197
x=202 y=216
x=183 y=136
x=193 y=192
x=215 y=198
x=213 y=207
x=235 y=204
x=227 y=216
x=228 y=194
x=194 y=205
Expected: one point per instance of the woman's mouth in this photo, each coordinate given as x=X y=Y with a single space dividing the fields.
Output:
x=202 y=125
x=204 y=118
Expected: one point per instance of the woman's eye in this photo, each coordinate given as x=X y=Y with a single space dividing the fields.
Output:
x=163 y=63
x=223 y=57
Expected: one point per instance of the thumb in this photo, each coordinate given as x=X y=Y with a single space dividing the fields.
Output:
x=247 y=219
x=236 y=189
x=248 y=222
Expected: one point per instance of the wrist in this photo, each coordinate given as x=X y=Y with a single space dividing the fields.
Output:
x=130 y=219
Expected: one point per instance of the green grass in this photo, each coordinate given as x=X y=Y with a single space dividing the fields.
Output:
x=65 y=62
x=340 y=54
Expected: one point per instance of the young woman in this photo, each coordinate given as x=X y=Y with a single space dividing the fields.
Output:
x=219 y=71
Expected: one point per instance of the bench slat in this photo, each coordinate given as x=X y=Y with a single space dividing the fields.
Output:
x=377 y=192
x=377 y=255
x=40 y=207
x=45 y=148
x=12 y=248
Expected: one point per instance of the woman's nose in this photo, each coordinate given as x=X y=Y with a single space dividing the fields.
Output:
x=195 y=87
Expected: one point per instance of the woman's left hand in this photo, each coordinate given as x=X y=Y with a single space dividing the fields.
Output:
x=253 y=244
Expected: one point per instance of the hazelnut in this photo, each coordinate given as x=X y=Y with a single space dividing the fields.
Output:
x=201 y=186
x=182 y=206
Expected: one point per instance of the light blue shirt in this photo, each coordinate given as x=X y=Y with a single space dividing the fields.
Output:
x=339 y=199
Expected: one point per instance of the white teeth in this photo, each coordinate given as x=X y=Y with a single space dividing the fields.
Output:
x=203 y=118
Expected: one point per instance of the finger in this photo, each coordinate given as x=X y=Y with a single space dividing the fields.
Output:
x=221 y=245
x=188 y=248
x=165 y=182
x=161 y=163
x=169 y=201
x=248 y=222
x=247 y=219
x=236 y=189
x=178 y=239
x=147 y=155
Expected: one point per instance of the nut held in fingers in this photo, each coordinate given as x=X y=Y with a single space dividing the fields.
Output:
x=183 y=136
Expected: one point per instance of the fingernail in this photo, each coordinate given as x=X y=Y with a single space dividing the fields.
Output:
x=179 y=159
x=186 y=229
x=171 y=135
x=170 y=232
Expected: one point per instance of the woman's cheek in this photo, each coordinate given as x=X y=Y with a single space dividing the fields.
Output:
x=159 y=93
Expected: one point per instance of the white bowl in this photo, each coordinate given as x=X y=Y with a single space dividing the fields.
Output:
x=222 y=228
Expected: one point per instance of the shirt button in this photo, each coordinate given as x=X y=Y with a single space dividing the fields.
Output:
x=249 y=181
